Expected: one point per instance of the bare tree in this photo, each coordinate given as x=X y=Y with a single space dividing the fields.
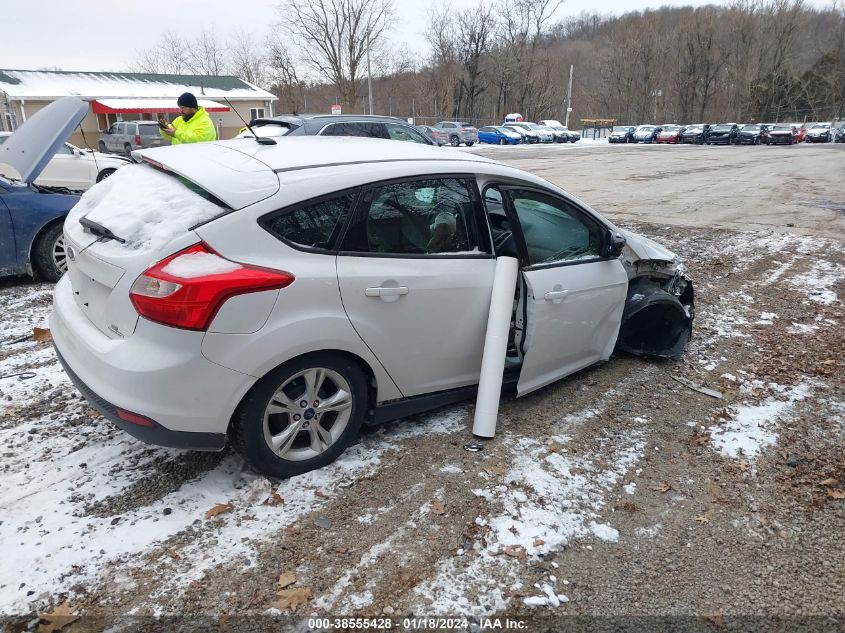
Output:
x=334 y=35
x=209 y=54
x=246 y=59
x=283 y=74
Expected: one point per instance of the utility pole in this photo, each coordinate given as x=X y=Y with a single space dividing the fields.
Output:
x=569 y=96
x=369 y=75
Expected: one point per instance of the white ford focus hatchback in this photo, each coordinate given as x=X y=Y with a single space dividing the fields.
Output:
x=283 y=295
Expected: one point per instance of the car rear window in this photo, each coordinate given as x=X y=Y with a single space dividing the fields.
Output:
x=146 y=206
x=313 y=225
x=148 y=129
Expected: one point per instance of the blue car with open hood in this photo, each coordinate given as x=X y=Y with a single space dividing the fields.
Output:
x=32 y=216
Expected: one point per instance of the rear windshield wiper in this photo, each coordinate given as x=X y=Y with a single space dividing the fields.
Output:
x=100 y=231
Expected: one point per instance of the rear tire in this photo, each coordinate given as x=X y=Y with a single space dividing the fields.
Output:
x=303 y=442
x=454 y=140
x=502 y=141
x=49 y=259
x=102 y=148
x=470 y=143
x=127 y=150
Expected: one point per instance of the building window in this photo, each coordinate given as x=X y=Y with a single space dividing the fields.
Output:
x=256 y=113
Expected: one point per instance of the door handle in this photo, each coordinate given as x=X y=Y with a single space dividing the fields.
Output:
x=555 y=295
x=393 y=291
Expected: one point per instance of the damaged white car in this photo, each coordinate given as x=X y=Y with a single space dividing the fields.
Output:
x=283 y=295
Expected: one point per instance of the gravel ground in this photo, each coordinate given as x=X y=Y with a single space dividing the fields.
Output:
x=615 y=492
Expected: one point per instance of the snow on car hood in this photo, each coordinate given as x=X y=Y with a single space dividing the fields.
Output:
x=35 y=142
x=643 y=248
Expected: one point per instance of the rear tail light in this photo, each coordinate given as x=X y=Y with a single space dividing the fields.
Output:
x=137 y=139
x=187 y=289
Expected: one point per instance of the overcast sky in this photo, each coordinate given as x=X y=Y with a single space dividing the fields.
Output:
x=104 y=35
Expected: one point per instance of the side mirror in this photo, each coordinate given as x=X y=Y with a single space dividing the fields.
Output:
x=613 y=244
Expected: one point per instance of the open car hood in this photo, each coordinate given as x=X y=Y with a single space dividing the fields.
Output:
x=35 y=142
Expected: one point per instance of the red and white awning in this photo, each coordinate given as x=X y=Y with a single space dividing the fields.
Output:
x=143 y=106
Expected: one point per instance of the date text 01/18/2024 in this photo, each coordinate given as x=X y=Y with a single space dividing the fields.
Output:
x=415 y=624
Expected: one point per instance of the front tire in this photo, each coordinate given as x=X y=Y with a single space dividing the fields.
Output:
x=301 y=416
x=105 y=174
x=49 y=259
x=102 y=147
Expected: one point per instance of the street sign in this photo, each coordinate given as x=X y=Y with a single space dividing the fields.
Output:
x=336 y=108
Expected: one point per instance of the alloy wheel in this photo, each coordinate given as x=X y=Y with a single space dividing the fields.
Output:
x=59 y=254
x=307 y=414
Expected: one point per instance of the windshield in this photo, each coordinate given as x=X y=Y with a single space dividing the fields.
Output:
x=533 y=126
x=645 y=128
x=504 y=129
x=751 y=128
x=821 y=126
x=783 y=128
x=620 y=129
x=722 y=128
x=670 y=128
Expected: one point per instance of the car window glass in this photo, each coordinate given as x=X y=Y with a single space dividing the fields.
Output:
x=315 y=225
x=554 y=230
x=403 y=133
x=148 y=129
x=356 y=128
x=64 y=149
x=423 y=217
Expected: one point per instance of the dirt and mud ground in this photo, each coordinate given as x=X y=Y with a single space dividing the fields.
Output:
x=615 y=492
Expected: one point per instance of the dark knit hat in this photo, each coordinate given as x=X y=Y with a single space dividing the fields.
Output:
x=187 y=100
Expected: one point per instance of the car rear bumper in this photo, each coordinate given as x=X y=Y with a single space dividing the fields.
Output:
x=159 y=373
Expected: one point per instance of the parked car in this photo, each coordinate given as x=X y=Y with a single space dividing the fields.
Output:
x=696 y=134
x=783 y=134
x=622 y=134
x=498 y=135
x=839 y=137
x=32 y=215
x=383 y=127
x=124 y=136
x=74 y=168
x=528 y=135
x=440 y=137
x=819 y=133
x=561 y=132
x=670 y=134
x=540 y=134
x=800 y=132
x=295 y=297
x=723 y=134
x=646 y=133
x=459 y=133
x=752 y=134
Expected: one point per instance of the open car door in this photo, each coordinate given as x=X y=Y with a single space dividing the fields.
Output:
x=574 y=292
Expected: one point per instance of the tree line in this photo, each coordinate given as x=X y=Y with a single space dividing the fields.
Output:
x=747 y=60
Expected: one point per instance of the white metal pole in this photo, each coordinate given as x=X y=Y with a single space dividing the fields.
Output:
x=495 y=347
x=369 y=76
x=569 y=95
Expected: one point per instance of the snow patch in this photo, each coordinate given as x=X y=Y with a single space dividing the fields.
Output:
x=754 y=427
x=192 y=265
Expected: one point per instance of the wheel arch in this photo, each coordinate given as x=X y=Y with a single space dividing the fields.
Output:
x=37 y=236
x=369 y=377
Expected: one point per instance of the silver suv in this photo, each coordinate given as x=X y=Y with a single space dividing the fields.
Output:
x=124 y=136
x=459 y=132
